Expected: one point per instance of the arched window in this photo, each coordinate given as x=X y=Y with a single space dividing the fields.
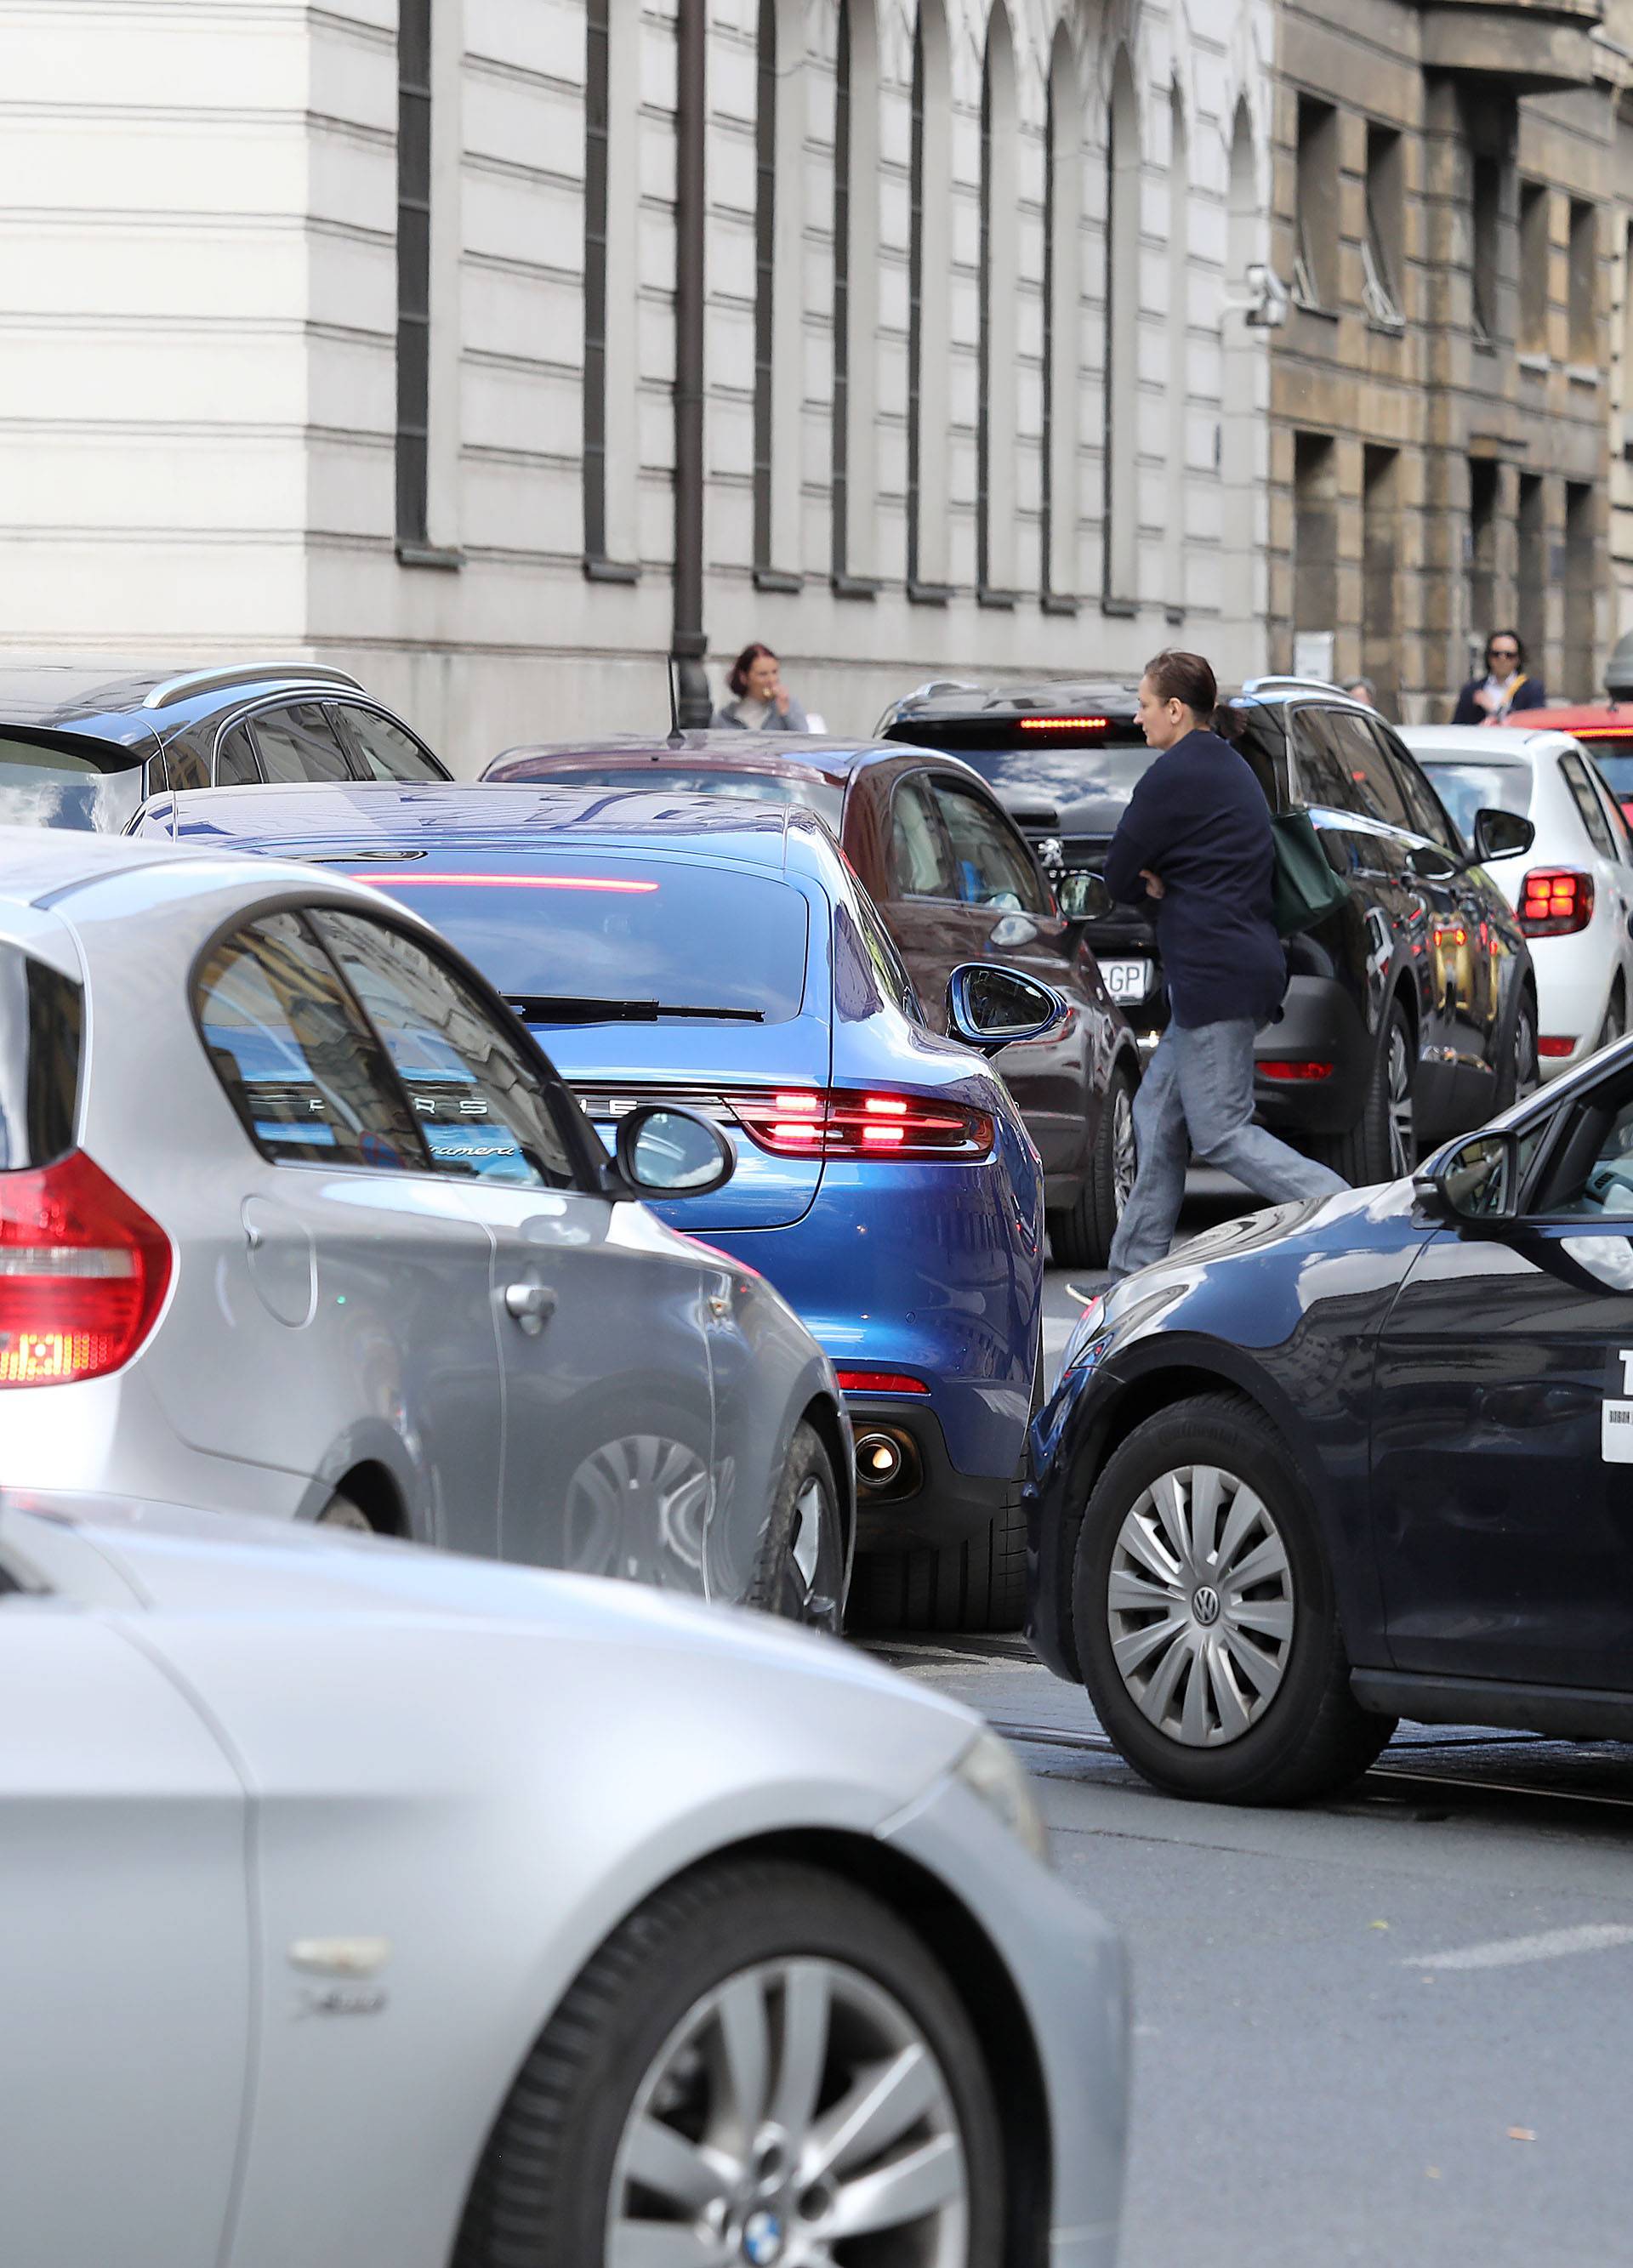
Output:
x=855 y=298
x=1179 y=348
x=996 y=394
x=413 y=269
x=778 y=300
x=1063 y=192
x=1122 y=342
x=929 y=318
x=612 y=343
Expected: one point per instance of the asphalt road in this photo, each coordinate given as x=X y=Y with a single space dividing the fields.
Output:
x=1390 y=2031
x=1387 y=2032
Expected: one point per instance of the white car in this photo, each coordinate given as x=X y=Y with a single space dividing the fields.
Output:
x=1573 y=891
x=368 y=1907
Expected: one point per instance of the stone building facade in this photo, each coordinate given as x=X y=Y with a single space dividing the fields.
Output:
x=1450 y=215
x=370 y=332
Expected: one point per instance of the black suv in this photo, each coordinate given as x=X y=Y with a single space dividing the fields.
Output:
x=1410 y=1014
x=85 y=745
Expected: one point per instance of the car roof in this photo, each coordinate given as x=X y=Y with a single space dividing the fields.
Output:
x=38 y=863
x=1476 y=740
x=371 y=818
x=784 y=753
x=947 y=698
x=133 y=703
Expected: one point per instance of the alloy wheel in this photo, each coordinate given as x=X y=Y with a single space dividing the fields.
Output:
x=1200 y=1606
x=811 y=1585
x=796 y=2109
x=1124 y=1161
x=1402 y=1133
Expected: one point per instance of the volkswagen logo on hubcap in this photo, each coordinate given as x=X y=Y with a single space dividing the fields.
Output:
x=1205 y=1605
x=761 y=2240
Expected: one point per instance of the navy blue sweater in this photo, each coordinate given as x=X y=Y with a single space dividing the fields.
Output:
x=1200 y=821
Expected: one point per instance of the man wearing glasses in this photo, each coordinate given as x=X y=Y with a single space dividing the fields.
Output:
x=1504 y=688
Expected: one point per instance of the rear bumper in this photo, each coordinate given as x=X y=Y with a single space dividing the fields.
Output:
x=936 y=1505
x=1319 y=1023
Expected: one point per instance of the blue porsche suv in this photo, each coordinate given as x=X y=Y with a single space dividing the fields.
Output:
x=663 y=946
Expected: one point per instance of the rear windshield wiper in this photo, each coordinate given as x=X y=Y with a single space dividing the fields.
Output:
x=582 y=1008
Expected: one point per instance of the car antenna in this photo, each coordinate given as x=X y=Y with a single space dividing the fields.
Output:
x=678 y=739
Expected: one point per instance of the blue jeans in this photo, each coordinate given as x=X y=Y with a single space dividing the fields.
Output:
x=1197 y=1095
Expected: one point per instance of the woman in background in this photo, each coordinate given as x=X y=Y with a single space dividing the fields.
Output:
x=761 y=702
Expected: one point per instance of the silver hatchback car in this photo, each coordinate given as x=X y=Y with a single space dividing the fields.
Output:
x=296 y=1218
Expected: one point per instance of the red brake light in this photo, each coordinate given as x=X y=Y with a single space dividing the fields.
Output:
x=1555 y=1044
x=1299 y=1068
x=1064 y=723
x=879 y=1382
x=1555 y=902
x=83 y=1274
x=841 y=1122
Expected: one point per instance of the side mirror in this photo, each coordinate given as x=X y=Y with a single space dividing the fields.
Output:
x=663 y=1153
x=1501 y=835
x=1476 y=1179
x=990 y=1006
x=1084 y=897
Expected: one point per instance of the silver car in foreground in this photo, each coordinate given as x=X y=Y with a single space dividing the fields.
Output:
x=369 y=1908
x=295 y=1219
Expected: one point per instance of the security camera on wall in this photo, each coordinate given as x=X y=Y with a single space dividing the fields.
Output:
x=1266 y=298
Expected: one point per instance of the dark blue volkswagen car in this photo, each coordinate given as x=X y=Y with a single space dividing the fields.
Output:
x=665 y=944
x=1332 y=1465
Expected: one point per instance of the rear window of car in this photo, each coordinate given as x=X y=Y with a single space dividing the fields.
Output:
x=1466 y=788
x=571 y=927
x=817 y=795
x=42 y=1018
x=1617 y=771
x=45 y=783
x=1058 y=760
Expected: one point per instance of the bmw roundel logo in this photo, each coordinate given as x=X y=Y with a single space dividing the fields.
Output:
x=761 y=2240
x=1205 y=1605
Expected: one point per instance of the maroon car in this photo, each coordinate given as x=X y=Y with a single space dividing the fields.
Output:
x=955 y=880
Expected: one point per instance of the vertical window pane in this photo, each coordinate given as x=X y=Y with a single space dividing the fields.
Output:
x=764 y=264
x=596 y=156
x=840 y=494
x=915 y=299
x=413 y=265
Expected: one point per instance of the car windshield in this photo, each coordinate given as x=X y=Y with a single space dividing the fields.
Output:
x=812 y=793
x=1466 y=787
x=45 y=784
x=40 y=1018
x=578 y=937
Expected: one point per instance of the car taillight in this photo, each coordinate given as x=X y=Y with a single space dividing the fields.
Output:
x=1555 y=900
x=1294 y=1067
x=879 y=1382
x=841 y=1122
x=83 y=1274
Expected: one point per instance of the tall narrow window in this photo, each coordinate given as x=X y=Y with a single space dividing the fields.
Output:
x=595 y=132
x=764 y=275
x=1061 y=320
x=1533 y=579
x=1581 y=588
x=1122 y=343
x=413 y=268
x=1178 y=350
x=1381 y=534
x=1584 y=283
x=1534 y=267
x=1315 y=539
x=1483 y=473
x=1382 y=248
x=1486 y=215
x=995 y=403
x=1315 y=261
x=855 y=298
x=929 y=255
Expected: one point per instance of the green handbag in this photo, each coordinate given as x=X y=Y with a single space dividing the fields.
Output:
x=1304 y=890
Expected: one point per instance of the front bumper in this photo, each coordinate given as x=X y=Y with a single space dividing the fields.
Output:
x=1069 y=1973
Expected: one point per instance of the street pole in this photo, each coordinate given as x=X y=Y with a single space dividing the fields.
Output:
x=687 y=641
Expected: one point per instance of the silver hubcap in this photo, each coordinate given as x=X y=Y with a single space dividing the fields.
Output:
x=1200 y=1606
x=809 y=1514
x=1401 y=1140
x=797 y=2107
x=340 y=1512
x=1124 y=1163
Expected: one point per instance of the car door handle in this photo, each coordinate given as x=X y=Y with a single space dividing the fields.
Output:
x=530 y=1304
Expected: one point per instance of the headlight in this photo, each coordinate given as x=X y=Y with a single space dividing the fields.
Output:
x=1082 y=1349
x=988 y=1769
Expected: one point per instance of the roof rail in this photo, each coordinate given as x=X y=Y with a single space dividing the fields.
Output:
x=165 y=695
x=1288 y=684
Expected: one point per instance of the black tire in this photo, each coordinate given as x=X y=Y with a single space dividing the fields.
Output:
x=801 y=1575
x=1080 y=1233
x=1312 y=1737
x=1616 y=1021
x=544 y=2188
x=1519 y=1072
x=1369 y=1150
x=977 y=1584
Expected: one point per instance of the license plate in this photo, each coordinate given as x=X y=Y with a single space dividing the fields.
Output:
x=1127 y=980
